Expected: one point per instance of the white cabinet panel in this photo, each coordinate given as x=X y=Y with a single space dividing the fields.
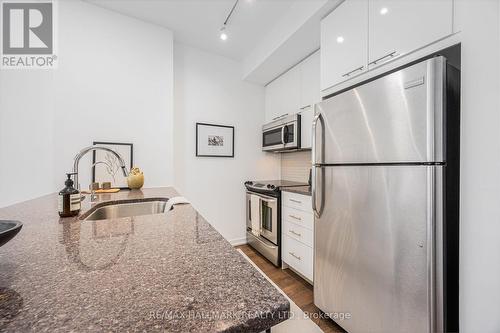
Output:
x=272 y=107
x=298 y=232
x=303 y=218
x=344 y=42
x=283 y=95
x=298 y=256
x=398 y=27
x=310 y=89
x=306 y=119
x=310 y=94
x=297 y=201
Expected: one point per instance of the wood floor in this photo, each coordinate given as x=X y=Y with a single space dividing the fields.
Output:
x=299 y=291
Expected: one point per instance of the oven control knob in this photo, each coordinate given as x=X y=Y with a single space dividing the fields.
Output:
x=271 y=187
x=249 y=183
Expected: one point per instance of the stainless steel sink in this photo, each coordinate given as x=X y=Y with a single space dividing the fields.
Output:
x=127 y=209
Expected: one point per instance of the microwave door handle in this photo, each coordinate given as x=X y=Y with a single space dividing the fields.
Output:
x=286 y=134
x=249 y=203
x=283 y=135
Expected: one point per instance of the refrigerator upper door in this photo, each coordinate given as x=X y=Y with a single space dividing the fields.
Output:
x=393 y=119
x=374 y=250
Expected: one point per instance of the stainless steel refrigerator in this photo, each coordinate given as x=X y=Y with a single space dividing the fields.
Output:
x=385 y=197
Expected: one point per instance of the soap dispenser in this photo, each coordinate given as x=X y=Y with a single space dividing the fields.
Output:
x=69 y=201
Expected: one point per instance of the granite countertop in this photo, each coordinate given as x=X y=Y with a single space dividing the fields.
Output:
x=305 y=190
x=168 y=272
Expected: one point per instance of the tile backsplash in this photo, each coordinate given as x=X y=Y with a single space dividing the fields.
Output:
x=295 y=166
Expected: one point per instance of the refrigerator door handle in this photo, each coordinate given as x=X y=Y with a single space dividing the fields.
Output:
x=314 y=188
x=314 y=147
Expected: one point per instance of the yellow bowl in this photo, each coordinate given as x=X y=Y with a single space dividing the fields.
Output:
x=135 y=182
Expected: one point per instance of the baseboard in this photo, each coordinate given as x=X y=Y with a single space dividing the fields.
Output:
x=238 y=241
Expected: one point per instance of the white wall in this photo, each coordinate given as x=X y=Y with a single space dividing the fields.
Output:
x=480 y=167
x=208 y=88
x=114 y=83
x=26 y=135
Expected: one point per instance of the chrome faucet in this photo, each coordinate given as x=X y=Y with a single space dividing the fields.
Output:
x=84 y=151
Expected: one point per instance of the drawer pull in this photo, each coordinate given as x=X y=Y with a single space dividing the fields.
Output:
x=294 y=255
x=295 y=217
x=296 y=201
x=295 y=233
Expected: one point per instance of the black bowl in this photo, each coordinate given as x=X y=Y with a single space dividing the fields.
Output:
x=8 y=229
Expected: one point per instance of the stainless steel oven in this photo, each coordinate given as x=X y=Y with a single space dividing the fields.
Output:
x=262 y=225
x=282 y=134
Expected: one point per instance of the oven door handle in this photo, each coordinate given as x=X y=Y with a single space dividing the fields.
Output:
x=260 y=215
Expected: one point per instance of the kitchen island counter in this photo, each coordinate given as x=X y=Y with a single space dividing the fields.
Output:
x=167 y=272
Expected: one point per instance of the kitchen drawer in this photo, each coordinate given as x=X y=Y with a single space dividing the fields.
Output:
x=300 y=217
x=298 y=232
x=298 y=201
x=298 y=256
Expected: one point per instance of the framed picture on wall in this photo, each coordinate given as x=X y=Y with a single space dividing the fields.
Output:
x=106 y=165
x=214 y=140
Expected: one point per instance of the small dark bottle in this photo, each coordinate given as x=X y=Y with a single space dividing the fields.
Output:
x=69 y=201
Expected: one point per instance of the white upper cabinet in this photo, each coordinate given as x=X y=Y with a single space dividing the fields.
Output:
x=310 y=89
x=272 y=103
x=398 y=27
x=296 y=91
x=283 y=95
x=344 y=42
x=310 y=94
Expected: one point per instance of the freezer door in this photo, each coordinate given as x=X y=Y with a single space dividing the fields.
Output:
x=396 y=118
x=376 y=240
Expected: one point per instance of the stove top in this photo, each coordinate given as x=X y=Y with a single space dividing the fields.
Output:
x=271 y=186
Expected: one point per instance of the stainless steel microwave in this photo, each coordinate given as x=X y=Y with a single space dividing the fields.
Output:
x=282 y=134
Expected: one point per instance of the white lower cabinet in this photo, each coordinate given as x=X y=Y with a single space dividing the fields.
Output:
x=297 y=233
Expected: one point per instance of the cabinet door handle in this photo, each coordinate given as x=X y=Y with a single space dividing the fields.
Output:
x=294 y=255
x=390 y=55
x=353 y=71
x=296 y=201
x=295 y=217
x=295 y=233
x=305 y=107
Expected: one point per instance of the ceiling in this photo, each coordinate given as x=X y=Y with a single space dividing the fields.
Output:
x=197 y=22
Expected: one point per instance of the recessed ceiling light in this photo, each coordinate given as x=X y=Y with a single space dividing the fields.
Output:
x=384 y=11
x=340 y=39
